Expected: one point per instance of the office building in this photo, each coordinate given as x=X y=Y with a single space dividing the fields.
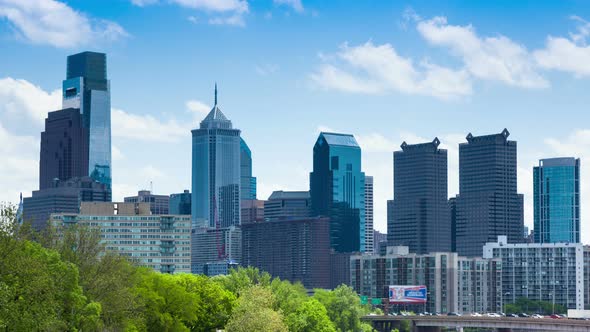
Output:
x=220 y=249
x=87 y=88
x=556 y=197
x=64 y=148
x=216 y=172
x=252 y=211
x=247 y=181
x=369 y=234
x=162 y=243
x=337 y=190
x=488 y=204
x=421 y=219
x=63 y=196
x=292 y=249
x=287 y=204
x=159 y=204
x=453 y=283
x=380 y=240
x=180 y=203
x=389 y=221
x=551 y=272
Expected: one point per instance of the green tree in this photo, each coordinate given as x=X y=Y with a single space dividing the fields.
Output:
x=288 y=296
x=243 y=278
x=255 y=312
x=344 y=308
x=311 y=316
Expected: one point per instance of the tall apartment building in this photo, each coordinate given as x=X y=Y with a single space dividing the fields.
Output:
x=63 y=196
x=295 y=249
x=215 y=251
x=556 y=197
x=421 y=218
x=287 y=204
x=488 y=204
x=337 y=189
x=159 y=204
x=162 y=243
x=453 y=283
x=369 y=233
x=552 y=272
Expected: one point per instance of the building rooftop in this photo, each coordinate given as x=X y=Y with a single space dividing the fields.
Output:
x=289 y=195
x=340 y=139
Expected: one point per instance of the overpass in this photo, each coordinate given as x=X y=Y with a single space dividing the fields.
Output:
x=501 y=324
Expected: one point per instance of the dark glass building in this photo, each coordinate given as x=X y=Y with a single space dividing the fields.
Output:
x=216 y=171
x=180 y=204
x=420 y=215
x=337 y=189
x=159 y=204
x=64 y=148
x=557 y=200
x=291 y=249
x=287 y=205
x=488 y=204
x=87 y=88
x=247 y=181
x=62 y=197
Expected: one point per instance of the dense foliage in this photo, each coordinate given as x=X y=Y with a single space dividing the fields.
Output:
x=524 y=305
x=71 y=283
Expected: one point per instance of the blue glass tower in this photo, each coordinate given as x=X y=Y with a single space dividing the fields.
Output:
x=557 y=200
x=337 y=189
x=248 y=182
x=216 y=172
x=87 y=88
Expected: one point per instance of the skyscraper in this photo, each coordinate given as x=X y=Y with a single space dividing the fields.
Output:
x=421 y=218
x=369 y=233
x=180 y=203
x=216 y=171
x=87 y=88
x=557 y=200
x=488 y=204
x=247 y=181
x=64 y=148
x=337 y=189
x=287 y=205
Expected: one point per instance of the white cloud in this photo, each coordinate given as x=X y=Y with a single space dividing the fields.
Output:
x=295 y=4
x=378 y=69
x=488 y=58
x=193 y=19
x=147 y=128
x=567 y=54
x=199 y=108
x=19 y=168
x=235 y=20
x=52 y=22
x=233 y=10
x=19 y=96
x=375 y=142
x=117 y=154
x=267 y=69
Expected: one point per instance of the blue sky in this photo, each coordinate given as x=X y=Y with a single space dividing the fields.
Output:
x=385 y=71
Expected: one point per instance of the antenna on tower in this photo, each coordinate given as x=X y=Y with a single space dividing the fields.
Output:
x=215 y=93
x=151 y=187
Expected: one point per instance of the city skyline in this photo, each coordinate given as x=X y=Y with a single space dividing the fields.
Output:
x=293 y=94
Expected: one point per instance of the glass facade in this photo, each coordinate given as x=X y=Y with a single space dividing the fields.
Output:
x=337 y=189
x=88 y=89
x=247 y=181
x=557 y=200
x=216 y=172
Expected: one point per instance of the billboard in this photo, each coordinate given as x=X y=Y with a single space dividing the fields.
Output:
x=407 y=294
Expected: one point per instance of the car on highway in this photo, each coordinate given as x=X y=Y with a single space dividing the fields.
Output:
x=476 y=314
x=493 y=315
x=523 y=315
x=555 y=316
x=537 y=316
x=513 y=315
x=456 y=314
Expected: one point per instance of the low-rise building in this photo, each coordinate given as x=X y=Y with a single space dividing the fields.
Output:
x=160 y=242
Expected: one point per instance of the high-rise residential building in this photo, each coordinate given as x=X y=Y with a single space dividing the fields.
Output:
x=337 y=189
x=215 y=251
x=420 y=215
x=64 y=148
x=252 y=211
x=550 y=272
x=159 y=204
x=162 y=243
x=488 y=204
x=87 y=88
x=287 y=204
x=247 y=181
x=63 y=196
x=216 y=172
x=556 y=186
x=369 y=233
x=296 y=249
x=453 y=283
x=180 y=203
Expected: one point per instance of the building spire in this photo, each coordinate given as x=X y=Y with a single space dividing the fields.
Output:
x=215 y=93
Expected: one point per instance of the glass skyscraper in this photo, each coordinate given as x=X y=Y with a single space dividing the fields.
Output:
x=420 y=215
x=488 y=204
x=557 y=200
x=216 y=172
x=87 y=88
x=247 y=181
x=337 y=189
